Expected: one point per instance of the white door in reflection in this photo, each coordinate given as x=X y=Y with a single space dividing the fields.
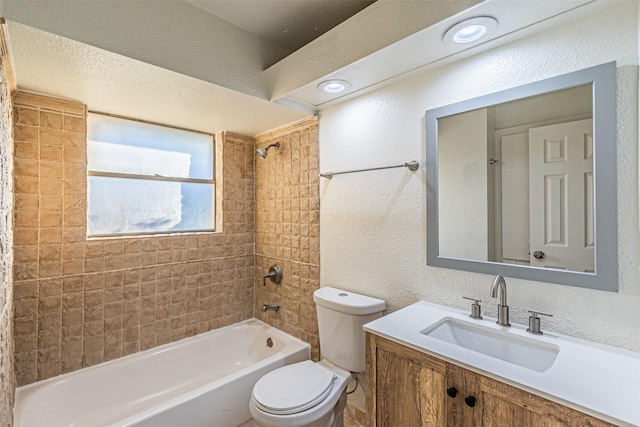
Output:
x=561 y=196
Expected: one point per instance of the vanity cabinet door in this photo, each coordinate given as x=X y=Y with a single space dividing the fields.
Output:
x=408 y=388
x=500 y=405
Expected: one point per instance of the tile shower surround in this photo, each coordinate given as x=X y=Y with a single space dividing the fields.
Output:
x=7 y=379
x=81 y=302
x=287 y=229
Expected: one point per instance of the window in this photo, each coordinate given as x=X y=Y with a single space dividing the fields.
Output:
x=145 y=178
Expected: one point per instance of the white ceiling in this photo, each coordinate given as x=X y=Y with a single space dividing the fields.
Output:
x=169 y=62
x=427 y=47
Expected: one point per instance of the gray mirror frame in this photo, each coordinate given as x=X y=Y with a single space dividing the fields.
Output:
x=603 y=79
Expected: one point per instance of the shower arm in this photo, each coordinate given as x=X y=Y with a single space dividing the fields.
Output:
x=262 y=152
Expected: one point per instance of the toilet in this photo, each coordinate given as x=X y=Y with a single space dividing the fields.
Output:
x=313 y=394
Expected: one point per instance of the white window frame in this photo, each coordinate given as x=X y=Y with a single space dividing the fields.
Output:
x=155 y=177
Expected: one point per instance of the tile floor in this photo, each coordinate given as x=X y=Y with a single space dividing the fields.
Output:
x=350 y=422
x=349 y=418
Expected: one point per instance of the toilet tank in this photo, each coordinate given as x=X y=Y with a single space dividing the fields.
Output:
x=341 y=315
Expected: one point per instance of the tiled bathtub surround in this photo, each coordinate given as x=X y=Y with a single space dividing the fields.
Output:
x=80 y=302
x=7 y=379
x=287 y=229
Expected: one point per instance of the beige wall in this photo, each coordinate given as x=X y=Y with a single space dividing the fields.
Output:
x=7 y=379
x=287 y=229
x=80 y=302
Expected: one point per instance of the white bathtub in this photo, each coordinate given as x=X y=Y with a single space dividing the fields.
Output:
x=204 y=380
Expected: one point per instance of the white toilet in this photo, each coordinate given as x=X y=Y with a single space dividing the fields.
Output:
x=314 y=394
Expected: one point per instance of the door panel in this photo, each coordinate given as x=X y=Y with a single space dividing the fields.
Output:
x=561 y=197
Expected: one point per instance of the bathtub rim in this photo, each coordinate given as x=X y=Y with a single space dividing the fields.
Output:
x=295 y=344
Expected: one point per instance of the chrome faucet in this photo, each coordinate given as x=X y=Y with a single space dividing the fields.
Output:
x=499 y=286
x=275 y=307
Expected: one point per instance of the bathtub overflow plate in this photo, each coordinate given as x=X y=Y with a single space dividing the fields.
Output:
x=269 y=342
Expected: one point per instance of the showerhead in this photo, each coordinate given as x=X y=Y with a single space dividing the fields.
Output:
x=262 y=152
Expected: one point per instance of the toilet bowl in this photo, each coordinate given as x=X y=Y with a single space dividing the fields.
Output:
x=313 y=394
x=302 y=394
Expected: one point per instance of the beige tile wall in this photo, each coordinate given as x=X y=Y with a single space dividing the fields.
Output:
x=287 y=229
x=7 y=379
x=80 y=302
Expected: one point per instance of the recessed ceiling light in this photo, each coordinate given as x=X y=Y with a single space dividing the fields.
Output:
x=470 y=30
x=334 y=86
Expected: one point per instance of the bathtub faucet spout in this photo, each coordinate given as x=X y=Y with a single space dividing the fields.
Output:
x=275 y=307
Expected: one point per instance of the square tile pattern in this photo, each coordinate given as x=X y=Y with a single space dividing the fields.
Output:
x=7 y=379
x=80 y=302
x=287 y=229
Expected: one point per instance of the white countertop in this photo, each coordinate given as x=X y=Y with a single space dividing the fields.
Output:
x=597 y=379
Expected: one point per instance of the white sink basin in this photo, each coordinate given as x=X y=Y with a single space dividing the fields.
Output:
x=530 y=354
x=564 y=369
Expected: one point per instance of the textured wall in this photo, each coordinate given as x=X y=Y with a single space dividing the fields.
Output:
x=373 y=224
x=80 y=302
x=7 y=379
x=174 y=35
x=287 y=229
x=110 y=82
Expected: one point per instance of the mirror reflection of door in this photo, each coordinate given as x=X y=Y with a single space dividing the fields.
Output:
x=494 y=204
x=561 y=198
x=482 y=214
x=546 y=203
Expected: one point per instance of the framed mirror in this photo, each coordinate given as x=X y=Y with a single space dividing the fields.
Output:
x=522 y=182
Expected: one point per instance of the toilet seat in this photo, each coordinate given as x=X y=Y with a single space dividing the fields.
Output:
x=293 y=388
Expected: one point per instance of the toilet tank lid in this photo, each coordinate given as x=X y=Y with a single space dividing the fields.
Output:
x=347 y=302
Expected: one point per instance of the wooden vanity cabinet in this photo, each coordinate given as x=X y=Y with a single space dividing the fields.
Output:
x=408 y=388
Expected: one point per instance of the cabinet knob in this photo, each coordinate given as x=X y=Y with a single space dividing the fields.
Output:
x=470 y=401
x=452 y=392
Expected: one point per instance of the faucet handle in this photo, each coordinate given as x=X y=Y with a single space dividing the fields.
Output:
x=475 y=308
x=534 y=322
x=274 y=274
